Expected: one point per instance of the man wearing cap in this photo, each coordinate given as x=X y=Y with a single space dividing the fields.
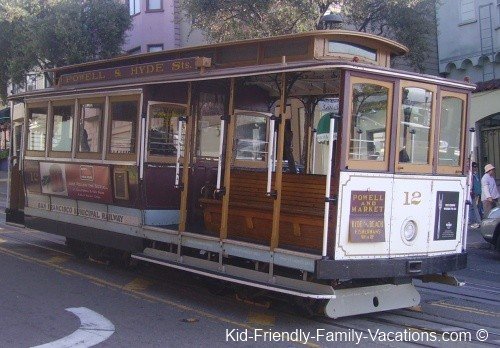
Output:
x=489 y=190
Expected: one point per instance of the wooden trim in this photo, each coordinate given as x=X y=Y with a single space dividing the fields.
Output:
x=227 y=162
x=54 y=153
x=394 y=127
x=403 y=167
x=90 y=155
x=367 y=164
x=156 y=158
x=453 y=170
x=346 y=98
x=128 y=156
x=185 y=165
x=278 y=184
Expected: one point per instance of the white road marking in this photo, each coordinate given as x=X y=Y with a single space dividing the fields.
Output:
x=93 y=330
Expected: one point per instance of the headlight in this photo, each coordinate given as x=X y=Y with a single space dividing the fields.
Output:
x=409 y=231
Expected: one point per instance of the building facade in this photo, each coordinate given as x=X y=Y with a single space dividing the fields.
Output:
x=158 y=25
x=469 y=47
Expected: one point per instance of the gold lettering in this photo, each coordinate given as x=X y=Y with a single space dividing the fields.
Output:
x=134 y=70
x=159 y=68
x=176 y=66
x=118 y=73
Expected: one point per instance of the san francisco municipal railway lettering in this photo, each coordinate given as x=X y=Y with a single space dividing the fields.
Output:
x=134 y=71
x=366 y=219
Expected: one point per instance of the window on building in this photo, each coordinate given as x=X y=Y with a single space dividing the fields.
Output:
x=37 y=128
x=154 y=5
x=134 y=7
x=467 y=11
x=31 y=82
x=155 y=48
x=124 y=118
x=90 y=124
x=62 y=127
x=135 y=50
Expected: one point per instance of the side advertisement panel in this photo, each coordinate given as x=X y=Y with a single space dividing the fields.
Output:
x=77 y=181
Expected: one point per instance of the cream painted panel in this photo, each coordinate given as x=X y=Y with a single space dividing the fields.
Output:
x=352 y=181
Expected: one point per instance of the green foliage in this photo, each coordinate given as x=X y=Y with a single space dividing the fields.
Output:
x=407 y=21
x=43 y=34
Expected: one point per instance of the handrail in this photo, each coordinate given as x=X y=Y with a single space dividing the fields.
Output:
x=328 y=185
x=221 y=149
x=178 y=159
x=270 y=155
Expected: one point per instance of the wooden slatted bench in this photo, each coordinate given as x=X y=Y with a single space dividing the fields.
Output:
x=251 y=211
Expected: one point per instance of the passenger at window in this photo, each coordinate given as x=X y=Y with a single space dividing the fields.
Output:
x=84 y=142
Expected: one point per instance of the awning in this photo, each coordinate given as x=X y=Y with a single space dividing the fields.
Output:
x=323 y=129
x=4 y=115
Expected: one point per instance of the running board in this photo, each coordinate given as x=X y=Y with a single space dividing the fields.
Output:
x=238 y=275
x=371 y=299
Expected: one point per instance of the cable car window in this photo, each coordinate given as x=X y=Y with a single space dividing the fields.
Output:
x=124 y=116
x=450 y=131
x=37 y=129
x=211 y=108
x=368 y=125
x=62 y=127
x=352 y=49
x=91 y=116
x=251 y=137
x=163 y=135
x=415 y=126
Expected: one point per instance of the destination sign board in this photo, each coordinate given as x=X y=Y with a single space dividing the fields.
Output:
x=135 y=71
x=366 y=218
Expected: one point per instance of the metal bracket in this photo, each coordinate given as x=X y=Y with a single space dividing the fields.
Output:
x=442 y=278
x=226 y=118
x=333 y=199
x=180 y=187
x=472 y=129
x=273 y=194
x=183 y=118
x=221 y=191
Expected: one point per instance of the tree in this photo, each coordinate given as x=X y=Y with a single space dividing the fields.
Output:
x=43 y=34
x=406 y=21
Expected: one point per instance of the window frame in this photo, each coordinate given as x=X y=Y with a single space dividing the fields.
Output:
x=407 y=167
x=109 y=120
x=36 y=153
x=95 y=100
x=155 y=9
x=155 y=45
x=129 y=2
x=239 y=163
x=366 y=164
x=157 y=158
x=461 y=13
x=54 y=153
x=454 y=170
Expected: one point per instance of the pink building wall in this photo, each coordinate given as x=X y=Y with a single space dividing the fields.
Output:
x=165 y=27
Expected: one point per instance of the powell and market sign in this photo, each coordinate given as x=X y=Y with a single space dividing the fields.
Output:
x=136 y=71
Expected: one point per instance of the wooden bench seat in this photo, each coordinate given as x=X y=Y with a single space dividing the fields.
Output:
x=251 y=211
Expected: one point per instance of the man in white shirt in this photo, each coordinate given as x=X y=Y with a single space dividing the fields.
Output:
x=489 y=190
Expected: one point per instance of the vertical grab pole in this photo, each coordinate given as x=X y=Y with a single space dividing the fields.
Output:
x=143 y=147
x=270 y=155
x=221 y=149
x=314 y=139
x=178 y=147
x=327 y=190
x=469 y=185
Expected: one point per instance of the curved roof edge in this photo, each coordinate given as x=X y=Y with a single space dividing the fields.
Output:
x=393 y=46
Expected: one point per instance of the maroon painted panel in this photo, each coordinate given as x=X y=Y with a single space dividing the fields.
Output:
x=159 y=188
